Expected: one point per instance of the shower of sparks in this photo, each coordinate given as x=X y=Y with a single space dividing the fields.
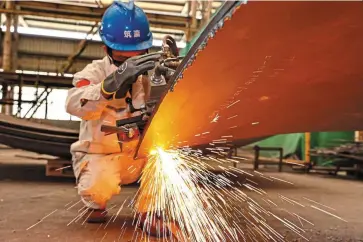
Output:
x=104 y=237
x=215 y=119
x=121 y=207
x=322 y=210
x=108 y=210
x=113 y=217
x=41 y=220
x=82 y=208
x=199 y=205
x=304 y=219
x=318 y=203
x=89 y=214
x=62 y=168
x=196 y=204
x=74 y=205
x=233 y=103
x=179 y=189
x=251 y=181
x=123 y=229
x=79 y=216
x=291 y=200
x=84 y=212
x=232 y=117
x=68 y=204
x=281 y=180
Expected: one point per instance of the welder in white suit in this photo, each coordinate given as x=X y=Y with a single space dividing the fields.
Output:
x=102 y=162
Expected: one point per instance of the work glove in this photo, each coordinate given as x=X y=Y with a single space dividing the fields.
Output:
x=120 y=82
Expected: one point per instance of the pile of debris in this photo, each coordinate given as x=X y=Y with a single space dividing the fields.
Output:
x=345 y=157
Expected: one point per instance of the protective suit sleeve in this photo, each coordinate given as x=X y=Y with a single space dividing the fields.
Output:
x=86 y=102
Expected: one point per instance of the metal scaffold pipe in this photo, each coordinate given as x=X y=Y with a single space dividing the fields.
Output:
x=7 y=56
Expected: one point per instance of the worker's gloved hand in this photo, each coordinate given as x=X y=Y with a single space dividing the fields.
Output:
x=120 y=82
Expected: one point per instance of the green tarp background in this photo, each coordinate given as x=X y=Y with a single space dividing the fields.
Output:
x=291 y=143
x=295 y=143
x=328 y=139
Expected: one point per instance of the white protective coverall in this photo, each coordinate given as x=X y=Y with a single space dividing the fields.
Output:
x=101 y=163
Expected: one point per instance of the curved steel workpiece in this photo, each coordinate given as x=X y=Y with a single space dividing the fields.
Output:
x=273 y=68
x=40 y=138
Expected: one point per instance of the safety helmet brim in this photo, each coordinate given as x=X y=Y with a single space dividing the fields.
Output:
x=132 y=47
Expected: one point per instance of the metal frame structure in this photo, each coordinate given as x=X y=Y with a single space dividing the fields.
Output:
x=180 y=19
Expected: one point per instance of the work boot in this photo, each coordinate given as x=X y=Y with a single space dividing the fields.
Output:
x=155 y=226
x=96 y=216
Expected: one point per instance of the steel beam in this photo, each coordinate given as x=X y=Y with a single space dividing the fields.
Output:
x=192 y=26
x=7 y=44
x=88 y=13
x=30 y=79
x=15 y=43
x=307 y=138
x=7 y=56
x=155 y=22
x=81 y=47
x=60 y=56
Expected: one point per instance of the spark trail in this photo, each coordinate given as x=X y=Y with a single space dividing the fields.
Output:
x=200 y=205
x=179 y=189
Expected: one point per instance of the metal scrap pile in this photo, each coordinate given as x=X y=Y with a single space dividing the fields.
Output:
x=353 y=149
x=348 y=155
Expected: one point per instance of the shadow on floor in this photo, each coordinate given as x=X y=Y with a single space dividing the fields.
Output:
x=34 y=173
x=29 y=172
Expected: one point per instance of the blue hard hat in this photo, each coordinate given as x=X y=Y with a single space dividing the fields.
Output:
x=125 y=27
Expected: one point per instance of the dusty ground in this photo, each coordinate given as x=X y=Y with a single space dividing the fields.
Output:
x=26 y=196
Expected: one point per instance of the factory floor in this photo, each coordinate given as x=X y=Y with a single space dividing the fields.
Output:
x=38 y=208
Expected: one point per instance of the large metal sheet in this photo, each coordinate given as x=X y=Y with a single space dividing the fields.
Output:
x=288 y=67
x=40 y=138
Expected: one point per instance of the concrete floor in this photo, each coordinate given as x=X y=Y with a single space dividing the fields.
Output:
x=27 y=196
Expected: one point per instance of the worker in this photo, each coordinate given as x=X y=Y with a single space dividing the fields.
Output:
x=101 y=162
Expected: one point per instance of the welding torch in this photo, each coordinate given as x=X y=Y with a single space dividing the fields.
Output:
x=170 y=61
x=165 y=70
x=130 y=128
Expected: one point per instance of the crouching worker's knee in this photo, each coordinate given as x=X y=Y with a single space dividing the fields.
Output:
x=96 y=191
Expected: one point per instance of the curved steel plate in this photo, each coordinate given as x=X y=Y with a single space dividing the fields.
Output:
x=274 y=68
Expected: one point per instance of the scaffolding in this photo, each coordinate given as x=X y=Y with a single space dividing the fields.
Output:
x=13 y=78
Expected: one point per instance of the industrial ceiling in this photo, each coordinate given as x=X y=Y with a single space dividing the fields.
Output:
x=74 y=19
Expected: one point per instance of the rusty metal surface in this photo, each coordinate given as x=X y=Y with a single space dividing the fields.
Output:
x=274 y=68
